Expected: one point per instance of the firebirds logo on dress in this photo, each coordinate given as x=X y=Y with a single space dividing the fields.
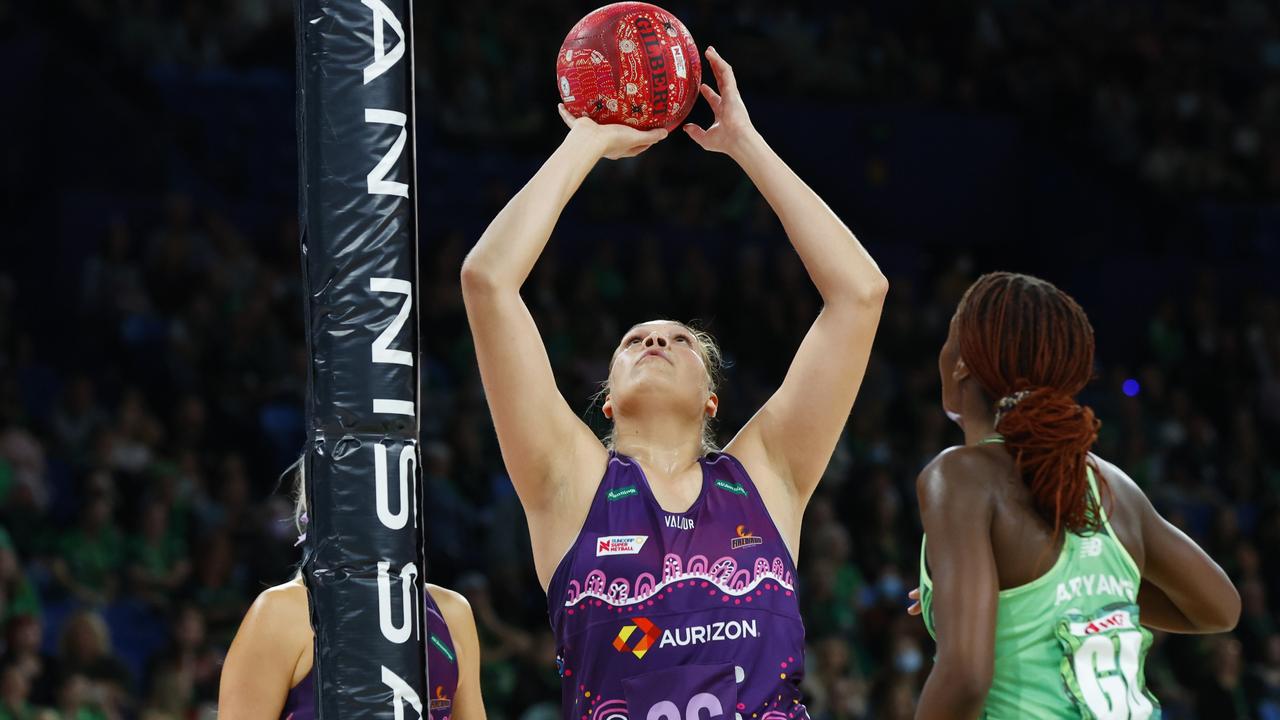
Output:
x=440 y=701
x=744 y=538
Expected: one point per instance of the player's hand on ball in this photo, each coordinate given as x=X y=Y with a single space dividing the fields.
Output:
x=612 y=141
x=732 y=123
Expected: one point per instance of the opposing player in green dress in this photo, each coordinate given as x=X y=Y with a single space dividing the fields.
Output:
x=1044 y=563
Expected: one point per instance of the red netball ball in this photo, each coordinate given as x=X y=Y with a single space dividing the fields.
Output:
x=629 y=62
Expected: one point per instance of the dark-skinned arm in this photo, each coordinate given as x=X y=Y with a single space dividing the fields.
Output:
x=1158 y=611
x=957 y=508
x=1183 y=590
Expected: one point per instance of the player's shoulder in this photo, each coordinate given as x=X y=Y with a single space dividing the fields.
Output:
x=275 y=637
x=1126 y=497
x=453 y=605
x=285 y=604
x=971 y=464
x=1111 y=473
x=963 y=472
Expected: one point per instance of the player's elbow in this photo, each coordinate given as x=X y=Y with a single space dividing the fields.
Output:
x=1215 y=607
x=965 y=685
x=477 y=277
x=856 y=296
x=877 y=289
x=1224 y=614
x=971 y=690
x=870 y=292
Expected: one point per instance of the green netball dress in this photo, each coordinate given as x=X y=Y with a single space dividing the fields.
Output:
x=1068 y=644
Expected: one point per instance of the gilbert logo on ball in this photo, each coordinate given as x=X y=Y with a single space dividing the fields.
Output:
x=629 y=62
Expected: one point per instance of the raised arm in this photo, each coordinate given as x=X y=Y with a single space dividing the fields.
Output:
x=957 y=518
x=540 y=437
x=797 y=429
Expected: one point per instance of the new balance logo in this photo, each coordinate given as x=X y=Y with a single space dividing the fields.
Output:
x=1091 y=547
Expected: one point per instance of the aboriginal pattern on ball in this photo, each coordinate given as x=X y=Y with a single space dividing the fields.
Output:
x=632 y=63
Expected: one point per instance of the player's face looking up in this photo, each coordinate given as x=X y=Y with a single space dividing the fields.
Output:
x=663 y=362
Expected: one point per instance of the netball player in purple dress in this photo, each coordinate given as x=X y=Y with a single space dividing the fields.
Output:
x=267 y=674
x=669 y=570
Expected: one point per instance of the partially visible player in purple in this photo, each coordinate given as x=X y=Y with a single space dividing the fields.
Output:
x=669 y=567
x=268 y=671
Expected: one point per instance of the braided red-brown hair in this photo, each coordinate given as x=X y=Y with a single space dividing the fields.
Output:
x=1023 y=338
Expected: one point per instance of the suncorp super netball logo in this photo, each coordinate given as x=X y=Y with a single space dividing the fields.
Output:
x=645 y=634
x=619 y=545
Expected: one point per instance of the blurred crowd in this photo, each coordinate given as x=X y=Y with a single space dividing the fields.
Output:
x=1179 y=94
x=143 y=431
x=139 y=489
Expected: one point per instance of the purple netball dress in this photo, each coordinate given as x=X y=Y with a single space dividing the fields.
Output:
x=679 y=616
x=442 y=664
